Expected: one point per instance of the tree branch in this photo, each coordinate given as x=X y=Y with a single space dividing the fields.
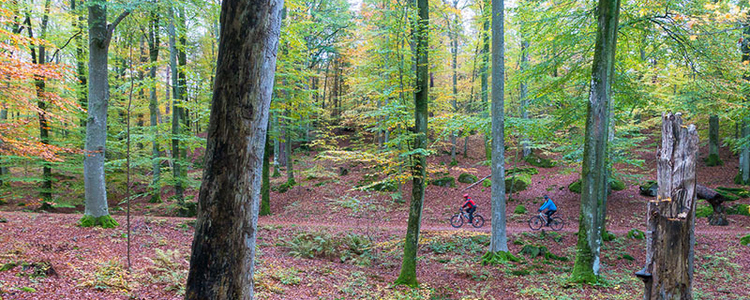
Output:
x=66 y=43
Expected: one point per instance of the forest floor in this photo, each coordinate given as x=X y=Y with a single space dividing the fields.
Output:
x=326 y=240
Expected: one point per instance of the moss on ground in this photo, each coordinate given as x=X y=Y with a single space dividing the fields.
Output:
x=105 y=221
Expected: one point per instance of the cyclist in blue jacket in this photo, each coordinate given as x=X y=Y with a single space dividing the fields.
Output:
x=551 y=208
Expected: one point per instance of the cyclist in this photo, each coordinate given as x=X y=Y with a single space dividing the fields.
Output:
x=551 y=208
x=472 y=207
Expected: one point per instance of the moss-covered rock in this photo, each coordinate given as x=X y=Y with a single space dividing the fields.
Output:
x=540 y=162
x=528 y=171
x=616 y=184
x=713 y=160
x=533 y=250
x=517 y=183
x=745 y=240
x=520 y=210
x=636 y=234
x=105 y=221
x=446 y=181
x=649 y=188
x=487 y=183
x=575 y=187
x=608 y=236
x=467 y=178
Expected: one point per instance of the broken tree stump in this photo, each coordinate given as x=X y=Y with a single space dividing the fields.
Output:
x=668 y=273
x=719 y=216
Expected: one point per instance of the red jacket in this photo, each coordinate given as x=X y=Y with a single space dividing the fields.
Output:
x=470 y=203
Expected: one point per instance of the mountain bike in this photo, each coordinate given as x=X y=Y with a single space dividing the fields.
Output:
x=536 y=222
x=457 y=220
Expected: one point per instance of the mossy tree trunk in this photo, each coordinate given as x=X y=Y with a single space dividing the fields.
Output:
x=223 y=250
x=713 y=142
x=408 y=275
x=265 y=186
x=668 y=273
x=594 y=170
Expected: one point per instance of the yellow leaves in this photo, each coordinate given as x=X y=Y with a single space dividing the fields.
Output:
x=745 y=62
x=693 y=37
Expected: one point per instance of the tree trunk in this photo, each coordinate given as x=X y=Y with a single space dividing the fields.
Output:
x=594 y=170
x=265 y=186
x=276 y=147
x=454 y=67
x=100 y=35
x=713 y=142
x=485 y=54
x=153 y=106
x=39 y=56
x=668 y=273
x=223 y=250
x=499 y=239
x=523 y=94
x=176 y=109
x=719 y=216
x=408 y=275
x=80 y=61
x=288 y=134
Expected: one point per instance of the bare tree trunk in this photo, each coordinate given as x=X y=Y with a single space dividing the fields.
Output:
x=713 y=142
x=484 y=70
x=454 y=67
x=668 y=273
x=153 y=107
x=176 y=108
x=523 y=94
x=288 y=134
x=223 y=250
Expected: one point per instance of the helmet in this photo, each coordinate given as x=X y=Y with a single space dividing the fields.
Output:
x=466 y=195
x=546 y=197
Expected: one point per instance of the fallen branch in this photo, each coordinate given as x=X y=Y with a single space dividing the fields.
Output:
x=478 y=181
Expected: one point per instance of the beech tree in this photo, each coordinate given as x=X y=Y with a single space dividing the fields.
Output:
x=223 y=250
x=594 y=170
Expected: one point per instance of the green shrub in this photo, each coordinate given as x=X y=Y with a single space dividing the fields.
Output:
x=520 y=210
x=745 y=240
x=467 y=178
x=487 y=183
x=703 y=211
x=636 y=234
x=533 y=251
x=739 y=209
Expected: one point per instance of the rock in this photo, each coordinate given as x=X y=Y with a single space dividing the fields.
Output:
x=517 y=183
x=649 y=188
x=529 y=171
x=467 y=178
x=446 y=181
x=540 y=162
x=617 y=185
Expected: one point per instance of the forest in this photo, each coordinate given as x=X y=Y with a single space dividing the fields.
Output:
x=374 y=149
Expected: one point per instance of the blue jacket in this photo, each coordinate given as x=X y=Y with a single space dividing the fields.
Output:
x=548 y=205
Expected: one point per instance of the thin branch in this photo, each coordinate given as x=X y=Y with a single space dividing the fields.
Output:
x=66 y=43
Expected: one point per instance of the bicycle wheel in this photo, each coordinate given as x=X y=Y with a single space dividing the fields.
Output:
x=457 y=221
x=536 y=223
x=478 y=221
x=556 y=223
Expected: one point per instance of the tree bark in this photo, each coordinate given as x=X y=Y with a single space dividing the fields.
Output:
x=80 y=61
x=39 y=56
x=484 y=70
x=670 y=239
x=454 y=68
x=153 y=106
x=713 y=142
x=288 y=134
x=594 y=170
x=408 y=275
x=223 y=250
x=499 y=239
x=100 y=35
x=176 y=108
x=526 y=144
x=265 y=186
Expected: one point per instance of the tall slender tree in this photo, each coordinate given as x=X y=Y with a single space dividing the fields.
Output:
x=408 y=275
x=223 y=250
x=594 y=171
x=153 y=105
x=100 y=35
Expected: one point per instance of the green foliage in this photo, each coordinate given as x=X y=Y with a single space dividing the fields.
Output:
x=616 y=184
x=520 y=209
x=284 y=187
x=739 y=192
x=107 y=275
x=487 y=183
x=170 y=269
x=528 y=171
x=467 y=178
x=636 y=234
x=541 y=162
x=608 y=236
x=103 y=221
x=352 y=248
x=739 y=209
x=627 y=257
x=703 y=211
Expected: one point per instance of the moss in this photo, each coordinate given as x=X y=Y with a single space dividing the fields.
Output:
x=608 y=236
x=636 y=234
x=627 y=257
x=727 y=195
x=738 y=179
x=649 y=188
x=740 y=192
x=499 y=257
x=446 y=181
x=703 y=211
x=520 y=210
x=528 y=171
x=517 y=183
x=520 y=272
x=745 y=240
x=487 y=183
x=739 y=209
x=467 y=178
x=575 y=187
x=533 y=251
x=540 y=162
x=8 y=266
x=453 y=163
x=616 y=184
x=552 y=256
x=583 y=273
x=105 y=221
x=714 y=160
x=155 y=197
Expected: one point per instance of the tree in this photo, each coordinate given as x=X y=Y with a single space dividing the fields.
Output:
x=100 y=35
x=408 y=275
x=223 y=250
x=153 y=104
x=594 y=170
x=713 y=142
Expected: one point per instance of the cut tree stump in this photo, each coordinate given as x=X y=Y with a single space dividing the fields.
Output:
x=668 y=273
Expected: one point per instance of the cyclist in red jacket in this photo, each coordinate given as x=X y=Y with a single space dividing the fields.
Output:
x=472 y=207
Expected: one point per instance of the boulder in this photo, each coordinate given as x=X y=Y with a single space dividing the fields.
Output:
x=517 y=182
x=467 y=178
x=649 y=188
